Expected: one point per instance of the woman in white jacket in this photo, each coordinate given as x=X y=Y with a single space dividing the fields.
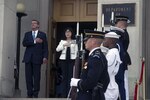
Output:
x=68 y=48
x=113 y=60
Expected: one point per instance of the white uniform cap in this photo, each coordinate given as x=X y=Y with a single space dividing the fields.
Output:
x=112 y=35
x=114 y=28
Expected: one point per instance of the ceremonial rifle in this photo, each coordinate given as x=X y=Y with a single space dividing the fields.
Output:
x=79 y=62
x=112 y=20
x=102 y=21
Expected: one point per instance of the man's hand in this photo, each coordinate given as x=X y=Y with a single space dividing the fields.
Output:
x=74 y=82
x=38 y=40
x=44 y=60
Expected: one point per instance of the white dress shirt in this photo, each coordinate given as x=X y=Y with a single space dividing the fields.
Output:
x=35 y=34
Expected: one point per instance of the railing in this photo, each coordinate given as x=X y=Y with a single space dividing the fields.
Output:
x=140 y=82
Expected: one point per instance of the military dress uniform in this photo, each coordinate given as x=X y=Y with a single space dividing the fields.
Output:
x=124 y=37
x=123 y=43
x=114 y=61
x=127 y=59
x=94 y=77
x=93 y=72
x=120 y=75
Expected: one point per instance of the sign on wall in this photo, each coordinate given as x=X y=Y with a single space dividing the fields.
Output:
x=126 y=9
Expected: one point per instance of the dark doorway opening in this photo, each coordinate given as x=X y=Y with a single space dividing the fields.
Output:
x=60 y=33
x=61 y=26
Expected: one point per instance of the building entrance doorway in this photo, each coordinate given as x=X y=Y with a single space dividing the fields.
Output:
x=66 y=13
x=55 y=86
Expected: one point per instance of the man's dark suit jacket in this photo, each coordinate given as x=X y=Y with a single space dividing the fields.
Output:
x=35 y=52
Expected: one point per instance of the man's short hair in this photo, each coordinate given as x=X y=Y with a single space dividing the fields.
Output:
x=36 y=21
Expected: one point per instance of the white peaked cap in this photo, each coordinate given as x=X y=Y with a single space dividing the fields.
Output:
x=112 y=35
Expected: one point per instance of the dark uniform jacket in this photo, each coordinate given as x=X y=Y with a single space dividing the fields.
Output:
x=93 y=73
x=124 y=44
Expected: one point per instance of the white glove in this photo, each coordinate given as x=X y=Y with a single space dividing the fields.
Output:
x=74 y=82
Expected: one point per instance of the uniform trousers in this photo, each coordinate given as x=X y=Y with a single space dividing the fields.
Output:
x=126 y=84
x=89 y=95
x=120 y=81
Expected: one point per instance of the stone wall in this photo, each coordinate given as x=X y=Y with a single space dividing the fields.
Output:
x=7 y=46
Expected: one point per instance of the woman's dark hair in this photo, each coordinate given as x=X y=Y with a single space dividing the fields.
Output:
x=71 y=30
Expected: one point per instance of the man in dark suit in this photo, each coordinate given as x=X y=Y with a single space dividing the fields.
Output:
x=94 y=77
x=35 y=54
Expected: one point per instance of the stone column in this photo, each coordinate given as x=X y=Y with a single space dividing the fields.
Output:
x=7 y=46
x=147 y=45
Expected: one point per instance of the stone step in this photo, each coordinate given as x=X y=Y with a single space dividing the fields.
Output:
x=34 y=99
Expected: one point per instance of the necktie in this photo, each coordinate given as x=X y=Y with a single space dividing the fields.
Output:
x=33 y=35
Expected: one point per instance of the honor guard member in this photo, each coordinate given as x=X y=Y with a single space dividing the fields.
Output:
x=114 y=61
x=121 y=23
x=94 y=77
